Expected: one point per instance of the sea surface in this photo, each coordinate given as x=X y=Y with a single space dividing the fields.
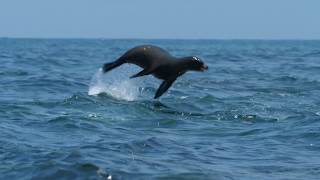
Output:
x=255 y=114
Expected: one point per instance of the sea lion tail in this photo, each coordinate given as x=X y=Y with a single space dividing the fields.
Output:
x=109 y=66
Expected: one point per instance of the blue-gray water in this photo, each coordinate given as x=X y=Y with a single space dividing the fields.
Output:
x=254 y=115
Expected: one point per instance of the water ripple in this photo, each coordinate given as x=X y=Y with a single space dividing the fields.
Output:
x=253 y=114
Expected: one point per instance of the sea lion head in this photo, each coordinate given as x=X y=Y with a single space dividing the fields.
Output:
x=197 y=64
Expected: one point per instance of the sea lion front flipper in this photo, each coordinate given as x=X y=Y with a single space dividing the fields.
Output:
x=163 y=88
x=142 y=73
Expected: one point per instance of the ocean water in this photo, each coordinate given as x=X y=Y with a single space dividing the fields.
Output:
x=255 y=114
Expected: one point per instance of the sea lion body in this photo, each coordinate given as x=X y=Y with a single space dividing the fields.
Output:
x=158 y=62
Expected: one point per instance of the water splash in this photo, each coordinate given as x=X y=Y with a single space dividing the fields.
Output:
x=117 y=84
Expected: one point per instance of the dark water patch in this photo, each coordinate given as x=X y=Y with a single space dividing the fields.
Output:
x=314 y=53
x=14 y=73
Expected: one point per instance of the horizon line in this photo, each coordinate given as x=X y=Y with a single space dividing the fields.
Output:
x=131 y=38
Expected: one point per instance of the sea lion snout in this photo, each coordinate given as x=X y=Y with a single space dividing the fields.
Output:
x=204 y=68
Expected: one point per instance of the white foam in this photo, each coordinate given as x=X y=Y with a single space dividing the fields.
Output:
x=117 y=83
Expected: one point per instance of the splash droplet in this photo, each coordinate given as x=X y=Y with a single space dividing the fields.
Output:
x=116 y=84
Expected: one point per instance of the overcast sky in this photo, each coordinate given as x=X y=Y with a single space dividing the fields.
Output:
x=214 y=19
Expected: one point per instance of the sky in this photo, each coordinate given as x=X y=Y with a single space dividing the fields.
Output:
x=161 y=19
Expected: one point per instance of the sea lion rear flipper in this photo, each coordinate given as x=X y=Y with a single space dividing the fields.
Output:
x=163 y=88
x=109 y=66
x=142 y=73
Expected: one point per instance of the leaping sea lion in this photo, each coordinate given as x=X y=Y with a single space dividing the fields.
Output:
x=158 y=62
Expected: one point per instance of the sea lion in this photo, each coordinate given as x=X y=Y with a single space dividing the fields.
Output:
x=158 y=62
